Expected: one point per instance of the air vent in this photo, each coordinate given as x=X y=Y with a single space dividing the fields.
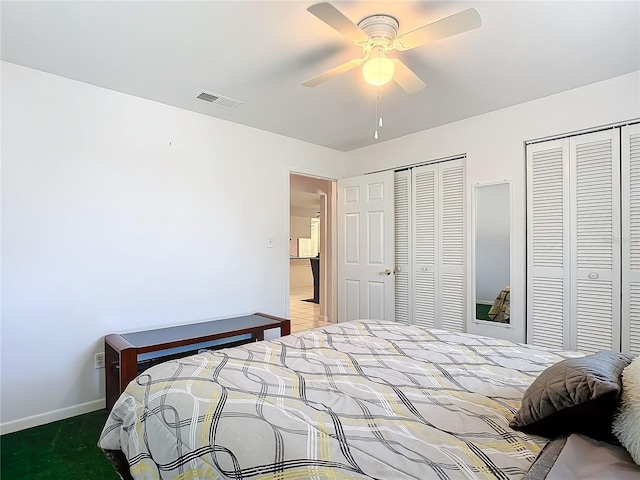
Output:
x=216 y=99
x=207 y=97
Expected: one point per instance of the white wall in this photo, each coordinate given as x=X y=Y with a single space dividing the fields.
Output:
x=494 y=145
x=121 y=214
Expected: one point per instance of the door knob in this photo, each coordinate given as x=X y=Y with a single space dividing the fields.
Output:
x=385 y=272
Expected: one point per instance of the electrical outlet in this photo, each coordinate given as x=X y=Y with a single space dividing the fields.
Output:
x=99 y=360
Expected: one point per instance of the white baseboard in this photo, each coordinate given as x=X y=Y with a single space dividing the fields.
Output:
x=52 y=416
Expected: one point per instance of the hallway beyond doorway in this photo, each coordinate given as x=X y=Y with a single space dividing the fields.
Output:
x=304 y=315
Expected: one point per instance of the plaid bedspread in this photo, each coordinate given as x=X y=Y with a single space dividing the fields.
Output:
x=500 y=311
x=363 y=399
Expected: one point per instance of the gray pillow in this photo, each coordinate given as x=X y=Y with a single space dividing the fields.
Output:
x=577 y=395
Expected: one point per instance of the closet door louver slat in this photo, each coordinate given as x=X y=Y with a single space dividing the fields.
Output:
x=402 y=297
x=425 y=299
x=547 y=214
x=631 y=239
x=594 y=329
x=633 y=316
x=594 y=205
x=402 y=192
x=453 y=215
x=452 y=291
x=425 y=216
x=548 y=324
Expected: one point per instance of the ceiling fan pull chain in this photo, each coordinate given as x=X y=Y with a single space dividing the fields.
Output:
x=376 y=93
x=380 y=103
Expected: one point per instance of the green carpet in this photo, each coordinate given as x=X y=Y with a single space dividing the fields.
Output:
x=482 y=311
x=62 y=450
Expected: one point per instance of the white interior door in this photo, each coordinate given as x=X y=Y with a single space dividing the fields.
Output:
x=366 y=247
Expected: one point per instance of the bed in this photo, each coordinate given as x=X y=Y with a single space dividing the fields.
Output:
x=361 y=399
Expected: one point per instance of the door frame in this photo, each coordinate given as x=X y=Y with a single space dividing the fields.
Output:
x=328 y=247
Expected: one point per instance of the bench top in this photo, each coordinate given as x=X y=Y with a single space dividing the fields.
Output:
x=168 y=335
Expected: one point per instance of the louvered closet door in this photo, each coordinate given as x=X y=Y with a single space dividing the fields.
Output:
x=631 y=239
x=451 y=248
x=402 y=219
x=595 y=240
x=547 y=244
x=425 y=234
x=438 y=245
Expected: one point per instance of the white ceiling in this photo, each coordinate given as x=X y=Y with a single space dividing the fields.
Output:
x=260 y=52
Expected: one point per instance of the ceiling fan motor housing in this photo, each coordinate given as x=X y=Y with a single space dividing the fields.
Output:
x=381 y=29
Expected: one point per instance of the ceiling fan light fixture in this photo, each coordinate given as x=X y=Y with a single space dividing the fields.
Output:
x=378 y=71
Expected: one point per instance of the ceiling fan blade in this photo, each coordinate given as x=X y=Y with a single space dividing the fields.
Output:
x=405 y=77
x=457 y=23
x=334 y=72
x=336 y=20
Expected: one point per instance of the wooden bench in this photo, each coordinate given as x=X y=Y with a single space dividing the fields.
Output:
x=127 y=354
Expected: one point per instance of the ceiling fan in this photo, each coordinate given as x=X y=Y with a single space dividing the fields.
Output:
x=377 y=35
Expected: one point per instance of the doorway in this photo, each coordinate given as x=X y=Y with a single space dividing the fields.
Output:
x=311 y=247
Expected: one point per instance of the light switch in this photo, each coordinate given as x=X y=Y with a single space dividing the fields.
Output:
x=269 y=242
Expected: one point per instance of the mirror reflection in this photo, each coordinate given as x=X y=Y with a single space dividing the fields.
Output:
x=493 y=252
